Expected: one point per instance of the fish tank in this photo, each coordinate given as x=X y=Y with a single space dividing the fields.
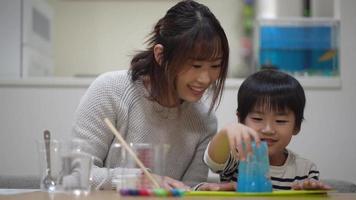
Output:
x=299 y=46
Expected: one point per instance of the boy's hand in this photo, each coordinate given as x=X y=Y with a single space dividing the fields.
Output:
x=239 y=134
x=310 y=184
x=230 y=139
x=228 y=186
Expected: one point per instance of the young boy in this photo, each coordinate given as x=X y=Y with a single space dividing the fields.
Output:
x=271 y=106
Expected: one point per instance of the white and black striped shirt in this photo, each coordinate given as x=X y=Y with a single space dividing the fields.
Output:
x=294 y=169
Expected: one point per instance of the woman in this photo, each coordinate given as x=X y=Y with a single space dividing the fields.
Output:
x=158 y=100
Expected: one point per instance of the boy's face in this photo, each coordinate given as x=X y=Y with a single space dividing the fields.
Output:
x=274 y=127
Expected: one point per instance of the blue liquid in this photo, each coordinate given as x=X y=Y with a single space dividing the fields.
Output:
x=253 y=173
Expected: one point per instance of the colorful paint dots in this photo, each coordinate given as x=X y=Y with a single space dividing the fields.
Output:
x=155 y=192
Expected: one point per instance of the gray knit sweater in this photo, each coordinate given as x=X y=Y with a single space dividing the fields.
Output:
x=113 y=95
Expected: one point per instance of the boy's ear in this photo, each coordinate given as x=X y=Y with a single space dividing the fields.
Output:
x=238 y=116
x=296 y=130
x=158 y=53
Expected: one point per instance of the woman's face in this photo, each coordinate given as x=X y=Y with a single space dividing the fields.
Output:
x=196 y=77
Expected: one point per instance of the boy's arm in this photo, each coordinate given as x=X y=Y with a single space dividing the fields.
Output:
x=218 y=148
x=227 y=182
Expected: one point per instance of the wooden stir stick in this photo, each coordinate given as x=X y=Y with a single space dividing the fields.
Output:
x=131 y=152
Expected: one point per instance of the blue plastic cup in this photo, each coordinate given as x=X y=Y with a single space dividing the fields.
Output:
x=253 y=173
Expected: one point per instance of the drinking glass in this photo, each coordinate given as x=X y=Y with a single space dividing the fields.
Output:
x=76 y=167
x=69 y=166
x=124 y=171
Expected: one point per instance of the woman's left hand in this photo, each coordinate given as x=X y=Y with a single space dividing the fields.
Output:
x=310 y=184
x=170 y=183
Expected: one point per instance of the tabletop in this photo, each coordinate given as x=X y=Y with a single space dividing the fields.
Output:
x=113 y=195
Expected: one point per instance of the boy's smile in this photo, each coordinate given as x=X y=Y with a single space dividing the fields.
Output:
x=276 y=128
x=269 y=141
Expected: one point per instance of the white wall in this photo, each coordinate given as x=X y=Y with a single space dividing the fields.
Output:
x=25 y=113
x=327 y=137
x=92 y=37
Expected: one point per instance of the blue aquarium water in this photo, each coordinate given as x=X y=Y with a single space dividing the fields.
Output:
x=253 y=173
x=300 y=49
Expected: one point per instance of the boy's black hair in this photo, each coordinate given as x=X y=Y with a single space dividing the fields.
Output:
x=277 y=90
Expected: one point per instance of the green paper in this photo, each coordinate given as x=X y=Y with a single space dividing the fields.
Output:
x=274 y=193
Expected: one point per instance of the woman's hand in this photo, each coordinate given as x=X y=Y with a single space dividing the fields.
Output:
x=164 y=182
x=310 y=184
x=169 y=183
x=227 y=186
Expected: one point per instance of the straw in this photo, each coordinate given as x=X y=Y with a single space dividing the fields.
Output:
x=131 y=152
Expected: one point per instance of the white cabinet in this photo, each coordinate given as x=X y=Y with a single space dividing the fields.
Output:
x=10 y=38
x=25 y=38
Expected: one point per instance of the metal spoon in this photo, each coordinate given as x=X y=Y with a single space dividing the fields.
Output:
x=48 y=181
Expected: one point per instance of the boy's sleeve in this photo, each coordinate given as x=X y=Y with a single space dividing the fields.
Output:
x=213 y=166
x=227 y=171
x=313 y=172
